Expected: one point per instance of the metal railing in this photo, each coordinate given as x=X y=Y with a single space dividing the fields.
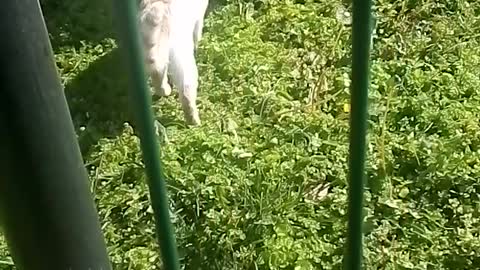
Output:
x=48 y=214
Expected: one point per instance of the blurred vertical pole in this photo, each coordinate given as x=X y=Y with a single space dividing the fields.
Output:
x=358 y=130
x=47 y=212
x=130 y=43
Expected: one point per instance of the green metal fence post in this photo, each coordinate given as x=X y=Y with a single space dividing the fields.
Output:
x=126 y=18
x=358 y=130
x=47 y=212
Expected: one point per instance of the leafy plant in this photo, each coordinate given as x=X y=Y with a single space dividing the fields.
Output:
x=262 y=184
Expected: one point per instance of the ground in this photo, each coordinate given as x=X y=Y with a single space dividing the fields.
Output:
x=262 y=183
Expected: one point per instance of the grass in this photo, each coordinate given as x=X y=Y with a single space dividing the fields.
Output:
x=262 y=184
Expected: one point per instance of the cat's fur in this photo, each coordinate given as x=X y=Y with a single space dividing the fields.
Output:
x=171 y=30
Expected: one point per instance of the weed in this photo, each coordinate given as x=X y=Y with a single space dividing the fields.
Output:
x=262 y=184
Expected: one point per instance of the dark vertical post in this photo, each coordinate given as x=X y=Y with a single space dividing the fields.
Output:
x=358 y=130
x=47 y=212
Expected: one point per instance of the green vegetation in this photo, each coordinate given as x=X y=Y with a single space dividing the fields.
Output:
x=262 y=184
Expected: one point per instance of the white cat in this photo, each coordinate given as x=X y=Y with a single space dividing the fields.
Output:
x=171 y=31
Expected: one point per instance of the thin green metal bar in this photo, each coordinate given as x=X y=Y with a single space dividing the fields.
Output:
x=126 y=19
x=358 y=130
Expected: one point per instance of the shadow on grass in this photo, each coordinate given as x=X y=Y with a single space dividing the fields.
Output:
x=71 y=22
x=98 y=96
x=98 y=100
